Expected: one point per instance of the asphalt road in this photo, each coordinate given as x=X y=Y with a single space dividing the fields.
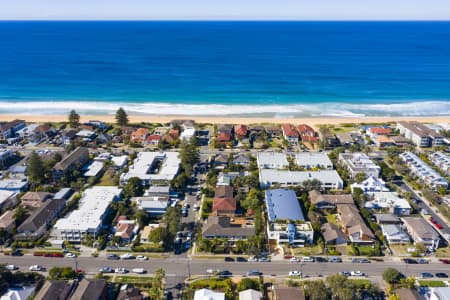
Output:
x=175 y=267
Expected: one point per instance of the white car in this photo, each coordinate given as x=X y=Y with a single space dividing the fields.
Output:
x=307 y=259
x=127 y=256
x=120 y=271
x=11 y=267
x=138 y=270
x=356 y=273
x=141 y=257
x=295 y=273
x=253 y=259
x=36 y=268
x=294 y=259
x=71 y=255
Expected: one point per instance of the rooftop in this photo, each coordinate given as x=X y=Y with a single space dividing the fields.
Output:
x=145 y=160
x=282 y=204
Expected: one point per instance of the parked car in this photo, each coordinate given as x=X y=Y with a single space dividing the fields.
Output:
x=253 y=259
x=295 y=273
x=225 y=273
x=254 y=273
x=441 y=275
x=71 y=255
x=410 y=261
x=229 y=259
x=141 y=257
x=307 y=259
x=36 y=268
x=113 y=256
x=426 y=275
x=445 y=261
x=106 y=270
x=264 y=259
x=11 y=267
x=138 y=270
x=120 y=271
x=241 y=259
x=293 y=259
x=345 y=273
x=127 y=256
x=422 y=261
x=356 y=273
x=364 y=261
x=335 y=259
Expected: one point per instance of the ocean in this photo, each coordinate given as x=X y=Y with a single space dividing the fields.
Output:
x=279 y=69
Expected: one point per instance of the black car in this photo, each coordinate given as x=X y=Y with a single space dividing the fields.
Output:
x=16 y=253
x=113 y=257
x=168 y=295
x=320 y=259
x=225 y=273
x=410 y=261
x=441 y=275
x=228 y=258
x=241 y=259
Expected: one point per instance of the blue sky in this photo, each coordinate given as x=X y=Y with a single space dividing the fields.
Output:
x=227 y=9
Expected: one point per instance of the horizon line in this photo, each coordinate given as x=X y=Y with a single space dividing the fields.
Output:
x=225 y=20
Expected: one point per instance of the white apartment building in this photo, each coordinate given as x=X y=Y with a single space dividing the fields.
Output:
x=88 y=218
x=423 y=171
x=419 y=134
x=359 y=163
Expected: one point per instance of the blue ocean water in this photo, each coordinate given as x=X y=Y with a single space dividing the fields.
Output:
x=270 y=68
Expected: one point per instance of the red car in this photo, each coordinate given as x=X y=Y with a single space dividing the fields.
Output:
x=438 y=226
x=445 y=261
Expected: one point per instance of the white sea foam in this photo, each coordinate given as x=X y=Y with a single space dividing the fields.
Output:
x=418 y=108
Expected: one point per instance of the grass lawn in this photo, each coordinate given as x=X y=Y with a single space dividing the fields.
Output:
x=360 y=281
x=308 y=250
x=140 y=281
x=401 y=249
x=107 y=178
x=332 y=219
x=443 y=252
x=432 y=283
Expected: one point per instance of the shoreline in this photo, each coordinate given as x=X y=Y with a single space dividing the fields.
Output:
x=229 y=120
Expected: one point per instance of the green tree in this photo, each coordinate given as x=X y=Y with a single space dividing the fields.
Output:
x=121 y=117
x=189 y=155
x=74 y=119
x=156 y=291
x=391 y=275
x=360 y=177
x=35 y=170
x=248 y=283
x=158 y=235
x=133 y=187
x=20 y=214
x=316 y=290
x=58 y=273
x=142 y=218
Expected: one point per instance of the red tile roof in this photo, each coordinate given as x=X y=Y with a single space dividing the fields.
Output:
x=174 y=133
x=153 y=137
x=224 y=204
x=223 y=137
x=304 y=129
x=308 y=138
x=240 y=130
x=380 y=130
x=289 y=130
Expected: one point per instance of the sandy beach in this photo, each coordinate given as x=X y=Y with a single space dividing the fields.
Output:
x=313 y=121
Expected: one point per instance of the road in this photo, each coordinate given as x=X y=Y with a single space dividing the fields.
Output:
x=445 y=231
x=179 y=267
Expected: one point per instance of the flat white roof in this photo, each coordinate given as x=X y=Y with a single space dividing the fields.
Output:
x=293 y=177
x=144 y=160
x=5 y=195
x=12 y=184
x=313 y=159
x=187 y=133
x=119 y=161
x=271 y=159
x=94 y=169
x=387 y=200
x=91 y=208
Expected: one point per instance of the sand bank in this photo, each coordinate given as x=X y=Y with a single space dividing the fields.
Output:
x=231 y=120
